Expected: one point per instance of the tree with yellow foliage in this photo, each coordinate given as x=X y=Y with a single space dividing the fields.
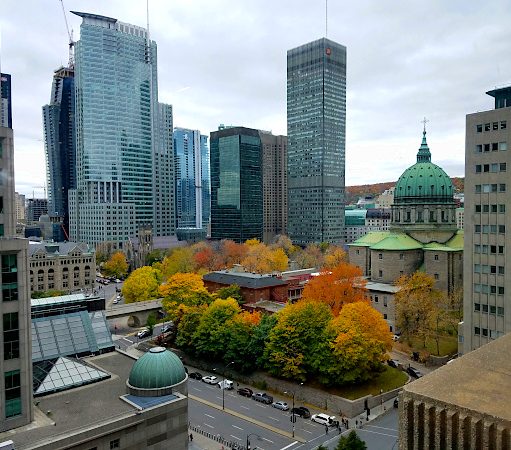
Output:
x=142 y=285
x=180 y=260
x=116 y=266
x=334 y=256
x=337 y=287
x=185 y=288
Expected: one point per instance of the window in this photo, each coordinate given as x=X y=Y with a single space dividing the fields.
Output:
x=486 y=147
x=437 y=277
x=385 y=316
x=502 y=167
x=375 y=299
x=493 y=309
x=477 y=331
x=485 y=332
x=401 y=256
x=495 y=125
x=479 y=148
x=478 y=168
x=358 y=252
x=478 y=208
x=478 y=191
x=11 y=336
x=502 y=229
x=380 y=256
x=486 y=127
x=380 y=273
x=12 y=393
x=477 y=307
x=116 y=443
x=502 y=187
x=502 y=146
x=477 y=228
x=500 y=290
x=479 y=128
x=436 y=257
x=486 y=208
x=502 y=208
x=500 y=310
x=503 y=124
x=501 y=270
x=385 y=300
x=485 y=308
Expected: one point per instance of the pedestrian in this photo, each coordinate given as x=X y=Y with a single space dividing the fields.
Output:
x=326 y=429
x=356 y=423
x=191 y=437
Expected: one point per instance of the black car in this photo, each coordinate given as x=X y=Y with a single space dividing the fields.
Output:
x=196 y=375
x=393 y=363
x=245 y=392
x=301 y=411
x=263 y=397
x=414 y=372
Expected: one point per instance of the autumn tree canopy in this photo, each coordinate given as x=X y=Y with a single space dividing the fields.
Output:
x=339 y=286
x=184 y=288
x=142 y=285
x=116 y=266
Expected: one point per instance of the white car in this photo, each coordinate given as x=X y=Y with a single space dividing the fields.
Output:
x=210 y=379
x=280 y=405
x=323 y=419
x=226 y=384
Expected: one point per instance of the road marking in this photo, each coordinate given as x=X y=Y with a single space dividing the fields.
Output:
x=273 y=418
x=267 y=440
x=244 y=407
x=260 y=406
x=236 y=437
x=219 y=398
x=197 y=389
x=239 y=428
x=290 y=445
x=209 y=416
x=307 y=431
x=126 y=339
x=382 y=428
x=376 y=432
x=208 y=425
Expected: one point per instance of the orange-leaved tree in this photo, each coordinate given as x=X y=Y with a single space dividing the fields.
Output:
x=116 y=266
x=337 y=287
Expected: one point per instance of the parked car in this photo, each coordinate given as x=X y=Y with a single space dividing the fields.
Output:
x=283 y=406
x=262 y=397
x=196 y=375
x=115 y=302
x=245 y=392
x=414 y=372
x=324 y=419
x=393 y=363
x=395 y=337
x=210 y=379
x=144 y=333
x=225 y=384
x=301 y=411
x=168 y=327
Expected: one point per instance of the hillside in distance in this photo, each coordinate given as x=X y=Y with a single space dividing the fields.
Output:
x=353 y=193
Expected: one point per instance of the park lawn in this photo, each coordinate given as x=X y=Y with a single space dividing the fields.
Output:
x=448 y=345
x=389 y=379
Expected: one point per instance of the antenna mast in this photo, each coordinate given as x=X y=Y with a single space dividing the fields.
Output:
x=326 y=18
x=71 y=62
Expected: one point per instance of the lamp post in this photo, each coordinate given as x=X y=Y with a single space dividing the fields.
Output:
x=222 y=385
x=293 y=417
x=381 y=399
x=248 y=439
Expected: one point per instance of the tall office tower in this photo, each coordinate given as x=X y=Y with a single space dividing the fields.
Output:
x=15 y=341
x=192 y=178
x=274 y=185
x=5 y=101
x=59 y=142
x=36 y=207
x=316 y=128
x=19 y=200
x=487 y=285
x=117 y=138
x=164 y=190
x=236 y=184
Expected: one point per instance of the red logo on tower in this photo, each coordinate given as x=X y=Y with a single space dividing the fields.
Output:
x=328 y=51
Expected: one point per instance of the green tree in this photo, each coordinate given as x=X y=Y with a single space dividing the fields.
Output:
x=179 y=260
x=116 y=266
x=151 y=322
x=210 y=338
x=298 y=345
x=351 y=442
x=187 y=321
x=142 y=285
x=232 y=291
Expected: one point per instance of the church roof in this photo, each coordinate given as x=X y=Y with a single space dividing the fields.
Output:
x=424 y=182
x=370 y=238
x=397 y=241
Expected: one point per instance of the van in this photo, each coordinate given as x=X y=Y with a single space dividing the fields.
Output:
x=226 y=384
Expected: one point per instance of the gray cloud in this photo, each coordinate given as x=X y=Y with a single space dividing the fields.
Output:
x=225 y=62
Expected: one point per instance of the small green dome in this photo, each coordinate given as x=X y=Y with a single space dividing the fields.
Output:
x=424 y=182
x=157 y=369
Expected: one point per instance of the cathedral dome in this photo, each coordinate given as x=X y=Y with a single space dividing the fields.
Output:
x=424 y=182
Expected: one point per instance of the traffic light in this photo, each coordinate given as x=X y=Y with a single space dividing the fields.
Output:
x=293 y=418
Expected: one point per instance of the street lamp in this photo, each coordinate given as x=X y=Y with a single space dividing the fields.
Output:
x=293 y=417
x=222 y=385
x=248 y=439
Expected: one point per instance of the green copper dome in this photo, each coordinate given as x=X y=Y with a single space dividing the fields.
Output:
x=424 y=182
x=157 y=369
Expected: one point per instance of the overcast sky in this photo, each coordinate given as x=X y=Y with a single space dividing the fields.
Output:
x=224 y=61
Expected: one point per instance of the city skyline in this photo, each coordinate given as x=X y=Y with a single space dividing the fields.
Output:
x=388 y=86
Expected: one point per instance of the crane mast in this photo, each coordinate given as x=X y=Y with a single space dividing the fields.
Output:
x=71 y=62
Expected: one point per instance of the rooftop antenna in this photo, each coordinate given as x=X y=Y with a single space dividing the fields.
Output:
x=326 y=18
x=71 y=62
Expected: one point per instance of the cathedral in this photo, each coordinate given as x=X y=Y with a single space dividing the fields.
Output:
x=422 y=237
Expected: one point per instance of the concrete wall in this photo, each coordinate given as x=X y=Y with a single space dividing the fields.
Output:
x=393 y=264
x=361 y=257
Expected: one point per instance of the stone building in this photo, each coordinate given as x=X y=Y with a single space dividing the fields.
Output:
x=61 y=266
x=462 y=405
x=423 y=236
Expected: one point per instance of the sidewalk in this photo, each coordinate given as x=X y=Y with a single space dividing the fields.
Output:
x=203 y=443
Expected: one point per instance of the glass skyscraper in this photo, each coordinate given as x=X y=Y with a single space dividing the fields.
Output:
x=5 y=101
x=60 y=144
x=316 y=126
x=118 y=133
x=192 y=178
x=236 y=184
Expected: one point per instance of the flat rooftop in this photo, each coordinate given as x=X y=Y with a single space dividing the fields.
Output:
x=79 y=408
x=478 y=381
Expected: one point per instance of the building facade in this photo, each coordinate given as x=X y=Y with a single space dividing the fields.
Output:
x=236 y=184
x=36 y=207
x=5 y=101
x=193 y=194
x=274 y=185
x=61 y=266
x=60 y=143
x=486 y=310
x=118 y=148
x=15 y=363
x=422 y=236
x=20 y=207
x=316 y=126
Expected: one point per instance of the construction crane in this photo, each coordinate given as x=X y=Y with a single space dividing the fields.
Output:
x=39 y=187
x=71 y=63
